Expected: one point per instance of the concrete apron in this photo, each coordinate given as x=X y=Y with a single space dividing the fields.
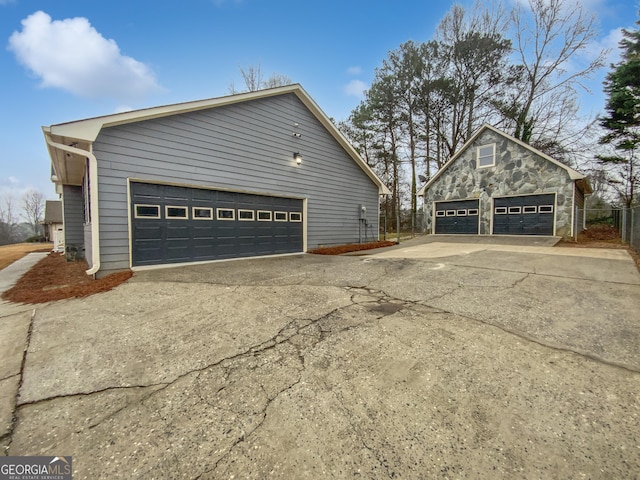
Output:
x=489 y=363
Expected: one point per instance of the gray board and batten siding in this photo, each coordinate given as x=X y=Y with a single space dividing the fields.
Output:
x=245 y=147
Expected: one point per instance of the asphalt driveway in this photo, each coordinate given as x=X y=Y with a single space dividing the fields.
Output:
x=425 y=361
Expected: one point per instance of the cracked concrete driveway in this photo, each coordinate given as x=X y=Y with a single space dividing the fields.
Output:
x=436 y=362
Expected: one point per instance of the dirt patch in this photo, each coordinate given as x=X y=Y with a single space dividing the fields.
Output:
x=352 y=247
x=53 y=278
x=13 y=252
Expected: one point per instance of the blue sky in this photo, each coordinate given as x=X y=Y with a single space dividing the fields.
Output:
x=66 y=60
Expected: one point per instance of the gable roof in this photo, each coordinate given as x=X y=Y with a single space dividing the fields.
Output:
x=573 y=175
x=82 y=133
x=52 y=211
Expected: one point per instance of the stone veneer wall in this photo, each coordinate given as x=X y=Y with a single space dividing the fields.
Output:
x=518 y=171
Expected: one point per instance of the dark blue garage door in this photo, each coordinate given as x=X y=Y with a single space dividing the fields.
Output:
x=173 y=224
x=524 y=215
x=457 y=217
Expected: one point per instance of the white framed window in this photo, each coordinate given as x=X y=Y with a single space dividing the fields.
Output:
x=440 y=213
x=264 y=215
x=176 y=212
x=280 y=216
x=529 y=209
x=202 y=213
x=486 y=155
x=461 y=213
x=515 y=210
x=146 y=211
x=246 y=215
x=225 y=214
x=451 y=213
x=295 y=216
x=545 y=209
x=500 y=210
x=472 y=211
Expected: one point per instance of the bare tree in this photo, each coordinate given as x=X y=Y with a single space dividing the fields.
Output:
x=547 y=37
x=33 y=209
x=276 y=80
x=8 y=220
x=254 y=80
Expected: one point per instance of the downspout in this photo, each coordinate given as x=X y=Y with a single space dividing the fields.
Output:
x=93 y=199
x=574 y=213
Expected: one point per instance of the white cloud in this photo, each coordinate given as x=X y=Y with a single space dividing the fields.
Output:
x=355 y=88
x=6 y=2
x=72 y=55
x=611 y=42
x=122 y=109
x=354 y=70
x=13 y=180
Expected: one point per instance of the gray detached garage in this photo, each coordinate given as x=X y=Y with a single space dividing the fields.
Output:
x=498 y=185
x=254 y=174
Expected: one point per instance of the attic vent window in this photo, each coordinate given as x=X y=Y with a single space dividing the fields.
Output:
x=487 y=155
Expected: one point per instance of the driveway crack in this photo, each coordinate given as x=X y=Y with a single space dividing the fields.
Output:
x=14 y=414
x=549 y=345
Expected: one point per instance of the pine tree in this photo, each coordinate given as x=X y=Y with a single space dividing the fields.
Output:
x=622 y=121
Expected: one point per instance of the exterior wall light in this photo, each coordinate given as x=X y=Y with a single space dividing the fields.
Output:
x=297 y=157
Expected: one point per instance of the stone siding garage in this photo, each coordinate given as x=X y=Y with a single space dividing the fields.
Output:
x=520 y=190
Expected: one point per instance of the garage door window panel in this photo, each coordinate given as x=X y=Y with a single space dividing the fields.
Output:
x=500 y=210
x=176 y=212
x=472 y=212
x=295 y=216
x=246 y=215
x=228 y=214
x=281 y=216
x=545 y=209
x=264 y=215
x=147 y=211
x=202 y=213
x=530 y=209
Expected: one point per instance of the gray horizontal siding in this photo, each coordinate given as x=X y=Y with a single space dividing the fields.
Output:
x=73 y=215
x=247 y=146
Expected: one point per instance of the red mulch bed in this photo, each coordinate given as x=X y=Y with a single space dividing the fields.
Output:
x=352 y=247
x=53 y=278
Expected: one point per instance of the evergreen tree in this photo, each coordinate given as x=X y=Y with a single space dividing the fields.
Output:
x=622 y=121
